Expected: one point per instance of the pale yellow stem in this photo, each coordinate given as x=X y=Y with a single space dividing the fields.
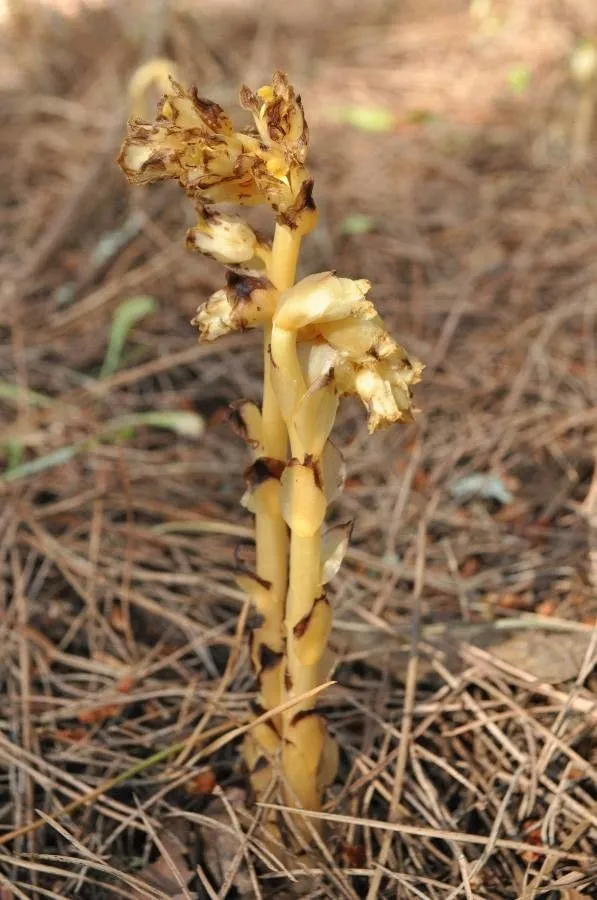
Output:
x=290 y=382
x=275 y=435
x=304 y=586
x=300 y=754
x=285 y=253
x=303 y=741
x=281 y=271
x=271 y=534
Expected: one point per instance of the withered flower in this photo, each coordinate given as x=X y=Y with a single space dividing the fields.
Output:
x=279 y=117
x=280 y=124
x=245 y=302
x=384 y=386
x=192 y=140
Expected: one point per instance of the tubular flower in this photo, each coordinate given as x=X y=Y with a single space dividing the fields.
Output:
x=343 y=348
x=245 y=302
x=282 y=129
x=192 y=140
x=384 y=385
x=227 y=239
x=279 y=117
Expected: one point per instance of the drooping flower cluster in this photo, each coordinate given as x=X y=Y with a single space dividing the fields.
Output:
x=193 y=141
x=341 y=345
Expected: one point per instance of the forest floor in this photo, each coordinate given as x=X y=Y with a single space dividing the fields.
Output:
x=454 y=168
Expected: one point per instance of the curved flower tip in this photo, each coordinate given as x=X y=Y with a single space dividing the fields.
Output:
x=155 y=74
x=323 y=297
x=245 y=302
x=384 y=386
x=187 y=110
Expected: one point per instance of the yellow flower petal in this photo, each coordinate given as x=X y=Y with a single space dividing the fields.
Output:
x=323 y=297
x=358 y=338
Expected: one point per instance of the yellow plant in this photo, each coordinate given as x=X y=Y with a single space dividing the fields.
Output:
x=322 y=339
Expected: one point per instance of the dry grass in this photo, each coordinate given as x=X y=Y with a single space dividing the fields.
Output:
x=465 y=772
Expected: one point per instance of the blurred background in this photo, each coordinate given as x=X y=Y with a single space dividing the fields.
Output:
x=453 y=152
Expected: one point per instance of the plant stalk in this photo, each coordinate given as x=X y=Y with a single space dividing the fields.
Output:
x=271 y=533
x=303 y=730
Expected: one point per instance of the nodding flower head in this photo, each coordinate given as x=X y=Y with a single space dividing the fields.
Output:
x=193 y=141
x=384 y=386
x=350 y=350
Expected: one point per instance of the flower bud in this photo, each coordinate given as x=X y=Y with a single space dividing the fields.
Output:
x=224 y=237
